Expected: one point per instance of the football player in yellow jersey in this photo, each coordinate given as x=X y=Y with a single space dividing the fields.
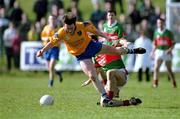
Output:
x=52 y=54
x=79 y=43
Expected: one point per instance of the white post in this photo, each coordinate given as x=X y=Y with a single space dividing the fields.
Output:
x=168 y=19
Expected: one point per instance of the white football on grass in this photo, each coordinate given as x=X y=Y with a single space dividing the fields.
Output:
x=46 y=100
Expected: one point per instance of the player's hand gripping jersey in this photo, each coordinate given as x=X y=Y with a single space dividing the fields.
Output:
x=76 y=43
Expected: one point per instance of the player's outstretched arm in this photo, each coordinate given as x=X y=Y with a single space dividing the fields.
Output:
x=45 y=48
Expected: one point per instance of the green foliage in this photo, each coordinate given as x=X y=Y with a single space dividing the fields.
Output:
x=20 y=93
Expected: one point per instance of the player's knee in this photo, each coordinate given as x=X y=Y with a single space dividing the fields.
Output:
x=110 y=73
x=50 y=69
x=92 y=77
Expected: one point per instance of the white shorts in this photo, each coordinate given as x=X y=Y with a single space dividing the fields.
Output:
x=161 y=54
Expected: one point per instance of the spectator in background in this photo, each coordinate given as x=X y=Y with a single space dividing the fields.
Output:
x=113 y=4
x=131 y=32
x=122 y=20
x=3 y=18
x=58 y=3
x=3 y=25
x=74 y=9
x=147 y=27
x=58 y=11
x=24 y=27
x=40 y=9
x=147 y=10
x=75 y=3
x=60 y=17
x=143 y=62
x=8 y=37
x=107 y=6
x=52 y=54
x=42 y=22
x=163 y=44
x=38 y=28
x=15 y=13
x=55 y=10
x=16 y=49
x=153 y=18
x=97 y=14
x=134 y=14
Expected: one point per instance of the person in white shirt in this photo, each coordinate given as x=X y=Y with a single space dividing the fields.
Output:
x=143 y=62
x=8 y=37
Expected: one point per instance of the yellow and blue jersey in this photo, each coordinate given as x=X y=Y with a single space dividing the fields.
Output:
x=47 y=33
x=76 y=43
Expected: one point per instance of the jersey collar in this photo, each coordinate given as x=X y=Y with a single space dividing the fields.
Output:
x=161 y=31
x=113 y=24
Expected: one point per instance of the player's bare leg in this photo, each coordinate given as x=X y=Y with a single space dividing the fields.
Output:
x=111 y=84
x=121 y=79
x=115 y=78
x=120 y=50
x=156 y=72
x=170 y=73
x=89 y=69
x=101 y=77
x=51 y=65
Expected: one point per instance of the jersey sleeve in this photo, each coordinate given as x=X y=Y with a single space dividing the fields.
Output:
x=44 y=35
x=172 y=38
x=154 y=38
x=89 y=27
x=57 y=37
x=120 y=31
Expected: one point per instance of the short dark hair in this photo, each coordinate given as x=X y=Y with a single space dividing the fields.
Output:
x=111 y=11
x=69 y=19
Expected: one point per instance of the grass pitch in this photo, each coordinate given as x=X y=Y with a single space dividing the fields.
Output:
x=20 y=93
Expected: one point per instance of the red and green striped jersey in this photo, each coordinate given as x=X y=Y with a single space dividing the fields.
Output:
x=115 y=31
x=163 y=40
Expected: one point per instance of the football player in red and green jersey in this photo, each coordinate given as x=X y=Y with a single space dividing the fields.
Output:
x=162 y=51
x=112 y=69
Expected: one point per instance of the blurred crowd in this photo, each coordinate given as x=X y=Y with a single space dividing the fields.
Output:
x=16 y=27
